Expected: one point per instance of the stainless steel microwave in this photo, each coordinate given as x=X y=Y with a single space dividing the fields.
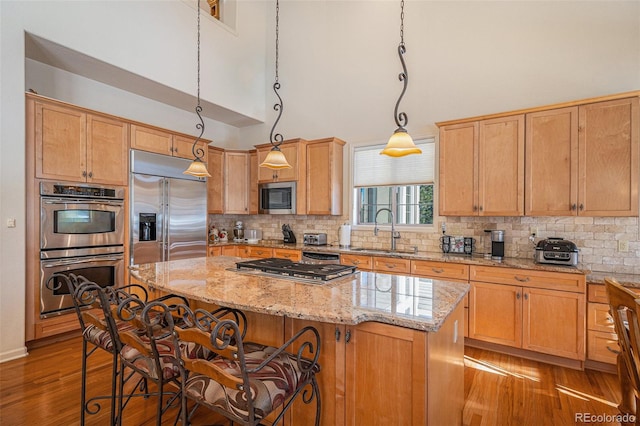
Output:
x=277 y=198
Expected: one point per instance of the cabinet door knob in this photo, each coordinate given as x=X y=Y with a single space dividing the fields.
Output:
x=518 y=295
x=337 y=334
x=90 y=174
x=475 y=208
x=573 y=206
x=84 y=173
x=581 y=206
x=347 y=336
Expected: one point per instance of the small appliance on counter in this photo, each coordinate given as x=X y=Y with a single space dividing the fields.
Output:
x=317 y=239
x=238 y=232
x=556 y=251
x=497 y=244
x=253 y=236
x=289 y=237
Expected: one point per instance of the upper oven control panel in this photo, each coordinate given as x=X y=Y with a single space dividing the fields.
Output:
x=75 y=190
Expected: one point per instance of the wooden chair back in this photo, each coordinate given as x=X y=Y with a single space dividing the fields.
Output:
x=625 y=306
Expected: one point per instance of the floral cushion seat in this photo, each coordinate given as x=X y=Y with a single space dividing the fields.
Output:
x=270 y=387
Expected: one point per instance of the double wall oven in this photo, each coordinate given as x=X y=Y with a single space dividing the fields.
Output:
x=81 y=232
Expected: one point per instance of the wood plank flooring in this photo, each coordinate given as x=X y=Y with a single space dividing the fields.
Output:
x=43 y=389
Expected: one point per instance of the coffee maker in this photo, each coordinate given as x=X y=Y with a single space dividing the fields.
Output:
x=497 y=245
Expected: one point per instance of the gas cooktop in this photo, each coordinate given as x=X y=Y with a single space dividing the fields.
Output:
x=287 y=268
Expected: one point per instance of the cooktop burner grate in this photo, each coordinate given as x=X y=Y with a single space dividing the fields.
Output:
x=272 y=265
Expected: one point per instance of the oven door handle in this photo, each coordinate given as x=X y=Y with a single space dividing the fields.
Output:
x=67 y=201
x=88 y=260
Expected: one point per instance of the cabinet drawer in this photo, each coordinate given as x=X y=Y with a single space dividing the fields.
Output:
x=362 y=262
x=259 y=252
x=214 y=251
x=229 y=250
x=392 y=264
x=291 y=254
x=597 y=293
x=529 y=278
x=431 y=269
x=598 y=318
x=600 y=346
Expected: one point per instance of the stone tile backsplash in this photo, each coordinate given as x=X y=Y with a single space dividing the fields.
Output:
x=596 y=237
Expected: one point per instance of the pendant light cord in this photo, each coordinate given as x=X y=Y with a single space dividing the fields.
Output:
x=277 y=139
x=401 y=118
x=198 y=152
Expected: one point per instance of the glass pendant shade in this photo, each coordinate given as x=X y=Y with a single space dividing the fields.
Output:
x=400 y=144
x=198 y=169
x=275 y=160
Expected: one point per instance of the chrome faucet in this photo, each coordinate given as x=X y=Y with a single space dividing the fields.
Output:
x=394 y=234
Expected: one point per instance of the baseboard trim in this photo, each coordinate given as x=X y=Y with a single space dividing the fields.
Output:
x=14 y=354
x=523 y=353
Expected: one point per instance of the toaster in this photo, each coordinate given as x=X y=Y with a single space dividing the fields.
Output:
x=556 y=251
x=318 y=239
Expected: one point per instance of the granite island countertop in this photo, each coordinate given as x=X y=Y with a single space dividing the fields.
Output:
x=411 y=302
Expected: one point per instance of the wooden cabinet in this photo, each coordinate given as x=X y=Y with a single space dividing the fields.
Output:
x=151 y=139
x=292 y=254
x=214 y=251
x=259 y=252
x=552 y=162
x=533 y=310
x=583 y=160
x=441 y=270
x=236 y=172
x=357 y=362
x=609 y=146
x=392 y=265
x=295 y=153
x=74 y=145
x=253 y=182
x=482 y=168
x=324 y=176
x=362 y=262
x=215 y=184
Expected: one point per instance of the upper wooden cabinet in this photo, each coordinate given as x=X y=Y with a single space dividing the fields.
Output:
x=583 y=160
x=215 y=184
x=324 y=176
x=608 y=146
x=74 y=145
x=236 y=183
x=150 y=139
x=482 y=168
x=253 y=182
x=295 y=153
x=580 y=157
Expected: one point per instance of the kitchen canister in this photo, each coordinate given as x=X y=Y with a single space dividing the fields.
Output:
x=345 y=235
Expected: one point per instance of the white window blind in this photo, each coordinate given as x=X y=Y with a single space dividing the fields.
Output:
x=372 y=169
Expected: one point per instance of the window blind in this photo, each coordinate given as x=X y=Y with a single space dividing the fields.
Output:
x=372 y=169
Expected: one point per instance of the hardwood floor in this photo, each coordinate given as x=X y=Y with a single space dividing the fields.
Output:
x=43 y=389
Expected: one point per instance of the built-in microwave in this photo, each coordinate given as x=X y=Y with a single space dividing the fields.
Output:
x=277 y=198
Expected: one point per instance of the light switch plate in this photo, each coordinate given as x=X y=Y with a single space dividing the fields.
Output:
x=11 y=223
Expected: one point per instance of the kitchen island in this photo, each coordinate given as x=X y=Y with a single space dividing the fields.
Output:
x=392 y=345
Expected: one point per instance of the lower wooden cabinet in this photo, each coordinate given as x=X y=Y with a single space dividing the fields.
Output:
x=379 y=374
x=524 y=316
x=362 y=262
x=292 y=254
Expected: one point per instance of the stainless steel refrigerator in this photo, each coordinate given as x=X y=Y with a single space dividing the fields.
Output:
x=168 y=210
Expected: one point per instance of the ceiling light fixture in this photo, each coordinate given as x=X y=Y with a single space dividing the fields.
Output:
x=401 y=143
x=275 y=158
x=197 y=167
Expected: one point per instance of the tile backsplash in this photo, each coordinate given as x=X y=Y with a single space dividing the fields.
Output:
x=596 y=237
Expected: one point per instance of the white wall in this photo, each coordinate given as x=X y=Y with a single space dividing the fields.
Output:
x=152 y=40
x=338 y=69
x=339 y=66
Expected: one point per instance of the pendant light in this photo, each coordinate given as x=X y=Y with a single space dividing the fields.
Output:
x=275 y=158
x=401 y=143
x=197 y=167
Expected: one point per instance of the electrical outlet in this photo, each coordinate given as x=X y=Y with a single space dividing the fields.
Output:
x=533 y=230
x=443 y=226
x=623 y=246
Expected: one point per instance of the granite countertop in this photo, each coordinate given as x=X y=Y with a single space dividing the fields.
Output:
x=411 y=302
x=507 y=262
